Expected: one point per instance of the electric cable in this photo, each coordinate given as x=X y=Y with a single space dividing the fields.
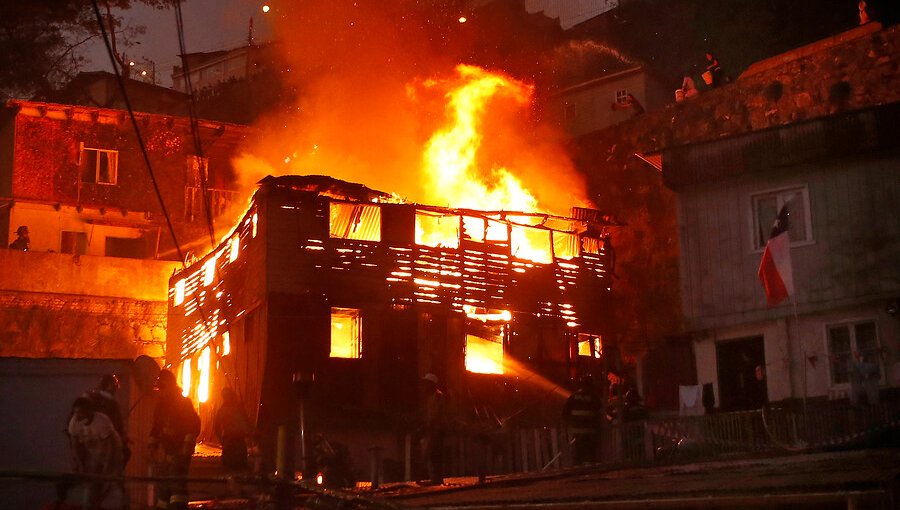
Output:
x=195 y=128
x=137 y=129
x=140 y=139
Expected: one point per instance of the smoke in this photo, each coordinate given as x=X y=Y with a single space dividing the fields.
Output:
x=365 y=73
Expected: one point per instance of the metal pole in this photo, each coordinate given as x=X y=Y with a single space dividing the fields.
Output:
x=303 y=436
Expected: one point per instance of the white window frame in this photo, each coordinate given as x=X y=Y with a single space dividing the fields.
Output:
x=850 y=324
x=622 y=96
x=780 y=195
x=112 y=158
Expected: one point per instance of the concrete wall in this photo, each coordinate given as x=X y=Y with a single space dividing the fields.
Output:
x=35 y=401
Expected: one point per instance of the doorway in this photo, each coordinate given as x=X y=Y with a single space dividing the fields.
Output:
x=741 y=385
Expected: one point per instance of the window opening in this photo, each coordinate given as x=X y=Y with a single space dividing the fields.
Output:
x=346 y=333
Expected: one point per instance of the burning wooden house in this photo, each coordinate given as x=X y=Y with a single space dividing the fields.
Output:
x=334 y=282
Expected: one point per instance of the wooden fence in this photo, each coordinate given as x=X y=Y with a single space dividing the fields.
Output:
x=655 y=440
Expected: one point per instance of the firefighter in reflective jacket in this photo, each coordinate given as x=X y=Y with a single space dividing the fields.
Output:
x=583 y=413
x=173 y=436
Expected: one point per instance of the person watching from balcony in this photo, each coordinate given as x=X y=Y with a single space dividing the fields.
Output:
x=23 y=241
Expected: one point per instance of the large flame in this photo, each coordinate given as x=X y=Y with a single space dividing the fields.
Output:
x=454 y=174
x=450 y=161
x=486 y=156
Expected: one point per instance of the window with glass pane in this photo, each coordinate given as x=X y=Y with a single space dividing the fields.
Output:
x=766 y=207
x=867 y=343
x=845 y=342
x=99 y=166
x=839 y=348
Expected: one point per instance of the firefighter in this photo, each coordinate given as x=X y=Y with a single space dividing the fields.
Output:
x=583 y=413
x=173 y=436
x=103 y=398
x=435 y=424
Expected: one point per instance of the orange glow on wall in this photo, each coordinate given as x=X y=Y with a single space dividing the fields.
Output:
x=226 y=344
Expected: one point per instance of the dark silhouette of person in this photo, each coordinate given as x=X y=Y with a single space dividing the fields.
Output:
x=435 y=425
x=23 y=240
x=173 y=437
x=233 y=429
x=104 y=401
x=583 y=412
x=714 y=69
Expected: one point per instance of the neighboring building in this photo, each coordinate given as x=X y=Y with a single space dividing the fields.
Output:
x=101 y=89
x=329 y=278
x=837 y=175
x=76 y=177
x=601 y=102
x=571 y=12
x=212 y=69
x=718 y=151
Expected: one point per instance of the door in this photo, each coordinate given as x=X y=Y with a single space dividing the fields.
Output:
x=741 y=385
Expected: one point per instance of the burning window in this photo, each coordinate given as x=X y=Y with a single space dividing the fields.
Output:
x=590 y=245
x=437 y=231
x=100 y=166
x=346 y=332
x=532 y=244
x=589 y=345
x=485 y=335
x=565 y=246
x=484 y=348
x=355 y=221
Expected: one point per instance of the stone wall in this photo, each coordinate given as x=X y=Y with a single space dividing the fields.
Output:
x=64 y=306
x=853 y=70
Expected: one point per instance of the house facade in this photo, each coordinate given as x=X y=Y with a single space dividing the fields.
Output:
x=837 y=177
x=601 y=102
x=92 y=283
x=333 y=288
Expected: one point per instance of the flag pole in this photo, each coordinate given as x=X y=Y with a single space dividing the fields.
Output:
x=802 y=349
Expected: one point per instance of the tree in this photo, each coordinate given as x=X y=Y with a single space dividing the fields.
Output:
x=40 y=40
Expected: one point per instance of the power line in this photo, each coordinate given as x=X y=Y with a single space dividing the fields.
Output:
x=195 y=128
x=137 y=129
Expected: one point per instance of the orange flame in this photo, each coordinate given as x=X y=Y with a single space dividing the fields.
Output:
x=450 y=157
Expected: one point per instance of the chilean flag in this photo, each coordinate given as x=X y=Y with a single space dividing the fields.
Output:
x=775 y=267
